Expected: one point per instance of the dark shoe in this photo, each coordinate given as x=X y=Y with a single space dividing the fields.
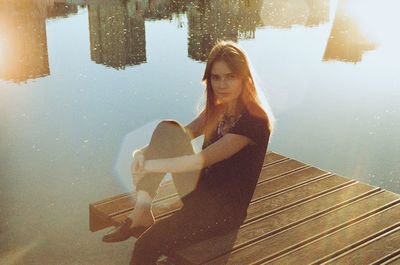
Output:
x=137 y=231
x=123 y=232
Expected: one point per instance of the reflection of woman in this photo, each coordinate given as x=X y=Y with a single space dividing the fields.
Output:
x=215 y=185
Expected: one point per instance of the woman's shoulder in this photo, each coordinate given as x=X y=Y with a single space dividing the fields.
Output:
x=254 y=123
x=258 y=116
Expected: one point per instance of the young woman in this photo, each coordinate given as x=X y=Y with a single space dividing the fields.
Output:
x=215 y=185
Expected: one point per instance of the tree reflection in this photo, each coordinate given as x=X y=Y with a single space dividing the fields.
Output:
x=285 y=14
x=58 y=9
x=117 y=34
x=209 y=21
x=117 y=28
x=346 y=43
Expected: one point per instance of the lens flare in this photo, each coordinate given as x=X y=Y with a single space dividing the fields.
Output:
x=134 y=140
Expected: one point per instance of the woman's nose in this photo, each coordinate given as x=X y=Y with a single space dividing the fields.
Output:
x=222 y=83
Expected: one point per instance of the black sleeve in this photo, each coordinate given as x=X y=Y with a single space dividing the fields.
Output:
x=253 y=128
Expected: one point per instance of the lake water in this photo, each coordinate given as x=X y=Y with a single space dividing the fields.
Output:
x=82 y=83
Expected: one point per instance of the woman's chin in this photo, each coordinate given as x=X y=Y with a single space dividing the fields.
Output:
x=224 y=99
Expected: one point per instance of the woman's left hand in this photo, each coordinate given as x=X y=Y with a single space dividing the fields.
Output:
x=136 y=175
x=137 y=167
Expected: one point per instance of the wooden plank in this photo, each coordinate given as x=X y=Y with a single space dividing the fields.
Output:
x=113 y=211
x=296 y=214
x=352 y=235
x=129 y=200
x=167 y=188
x=160 y=209
x=299 y=214
x=372 y=251
x=272 y=157
x=392 y=260
x=166 y=207
x=273 y=224
x=101 y=212
x=278 y=169
x=304 y=233
x=295 y=196
x=287 y=181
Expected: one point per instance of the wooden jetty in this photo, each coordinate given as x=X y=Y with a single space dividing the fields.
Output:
x=299 y=214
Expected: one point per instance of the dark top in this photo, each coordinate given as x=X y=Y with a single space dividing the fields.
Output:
x=230 y=183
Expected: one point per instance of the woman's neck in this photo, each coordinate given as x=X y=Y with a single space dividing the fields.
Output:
x=233 y=109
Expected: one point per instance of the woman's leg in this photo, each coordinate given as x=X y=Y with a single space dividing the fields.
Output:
x=169 y=139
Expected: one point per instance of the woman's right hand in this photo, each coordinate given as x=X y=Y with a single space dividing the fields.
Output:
x=137 y=166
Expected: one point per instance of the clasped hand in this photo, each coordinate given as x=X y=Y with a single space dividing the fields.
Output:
x=137 y=167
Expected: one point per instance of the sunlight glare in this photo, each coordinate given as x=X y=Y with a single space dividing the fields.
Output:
x=2 y=52
x=376 y=18
x=16 y=255
x=135 y=139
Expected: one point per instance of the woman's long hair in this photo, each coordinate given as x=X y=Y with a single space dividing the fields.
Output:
x=236 y=60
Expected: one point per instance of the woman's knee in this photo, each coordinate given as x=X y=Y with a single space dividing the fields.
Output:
x=169 y=139
x=172 y=127
x=167 y=124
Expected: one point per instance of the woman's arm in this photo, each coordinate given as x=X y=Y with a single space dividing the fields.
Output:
x=222 y=149
x=196 y=127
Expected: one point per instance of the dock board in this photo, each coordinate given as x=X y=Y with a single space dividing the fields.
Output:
x=299 y=214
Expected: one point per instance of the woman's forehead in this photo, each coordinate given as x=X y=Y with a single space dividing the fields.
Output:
x=220 y=68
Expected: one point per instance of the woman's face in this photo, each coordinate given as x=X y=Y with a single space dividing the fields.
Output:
x=226 y=85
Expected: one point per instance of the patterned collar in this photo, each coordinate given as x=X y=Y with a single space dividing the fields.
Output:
x=226 y=123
